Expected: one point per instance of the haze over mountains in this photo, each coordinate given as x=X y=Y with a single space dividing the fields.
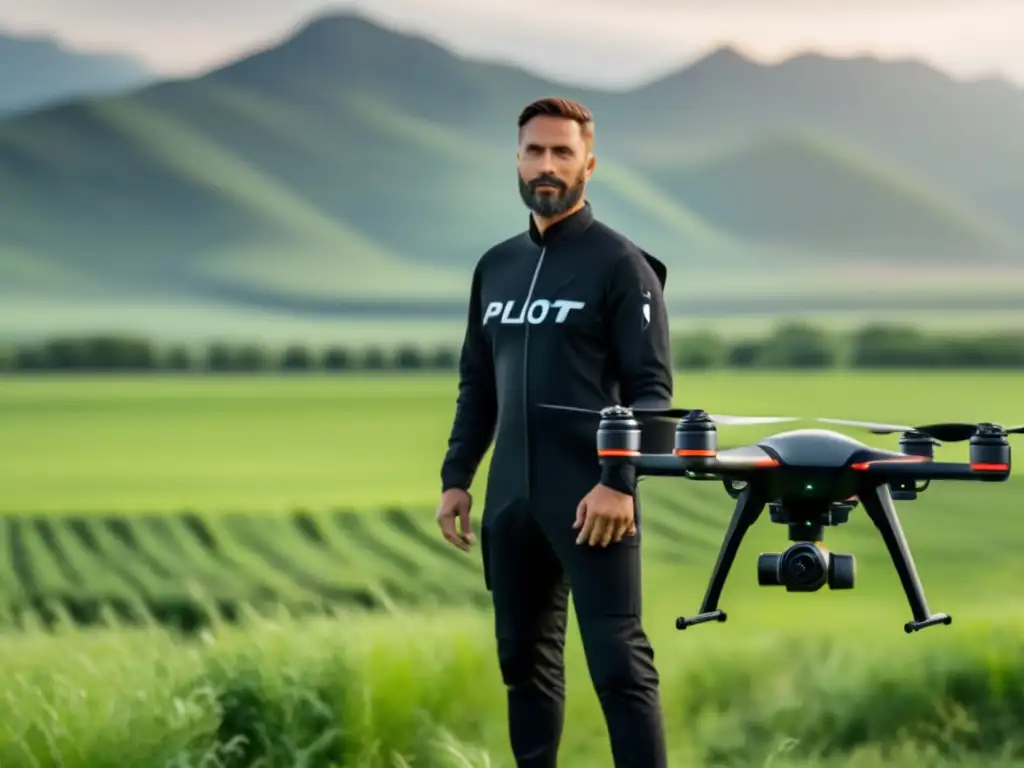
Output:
x=39 y=71
x=352 y=164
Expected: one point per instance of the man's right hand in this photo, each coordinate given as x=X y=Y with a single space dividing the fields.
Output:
x=455 y=505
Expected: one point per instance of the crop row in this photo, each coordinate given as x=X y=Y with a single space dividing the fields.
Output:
x=184 y=569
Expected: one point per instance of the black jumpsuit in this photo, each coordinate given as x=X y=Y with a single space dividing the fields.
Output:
x=573 y=317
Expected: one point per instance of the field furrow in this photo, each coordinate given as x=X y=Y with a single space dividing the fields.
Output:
x=37 y=564
x=358 y=530
x=310 y=529
x=9 y=583
x=197 y=565
x=253 y=564
x=441 y=580
x=106 y=575
x=663 y=542
x=273 y=543
x=698 y=508
x=117 y=536
x=70 y=575
x=388 y=571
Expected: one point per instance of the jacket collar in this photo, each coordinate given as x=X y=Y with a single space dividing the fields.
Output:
x=567 y=228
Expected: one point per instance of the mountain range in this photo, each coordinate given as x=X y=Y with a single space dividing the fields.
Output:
x=42 y=71
x=353 y=169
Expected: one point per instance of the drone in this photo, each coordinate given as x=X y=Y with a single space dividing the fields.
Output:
x=809 y=479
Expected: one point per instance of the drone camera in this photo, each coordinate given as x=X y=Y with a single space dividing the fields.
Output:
x=806 y=567
x=618 y=435
x=696 y=439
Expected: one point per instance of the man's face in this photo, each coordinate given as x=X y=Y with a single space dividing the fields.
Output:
x=554 y=165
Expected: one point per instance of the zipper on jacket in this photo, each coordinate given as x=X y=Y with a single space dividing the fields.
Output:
x=526 y=368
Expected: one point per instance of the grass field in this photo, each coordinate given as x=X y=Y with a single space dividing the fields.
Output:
x=122 y=445
x=166 y=494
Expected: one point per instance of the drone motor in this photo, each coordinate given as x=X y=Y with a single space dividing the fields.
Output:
x=618 y=435
x=918 y=444
x=990 y=450
x=696 y=439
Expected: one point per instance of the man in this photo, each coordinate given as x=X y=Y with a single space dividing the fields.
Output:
x=569 y=312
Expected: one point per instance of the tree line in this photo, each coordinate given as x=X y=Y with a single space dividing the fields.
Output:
x=791 y=345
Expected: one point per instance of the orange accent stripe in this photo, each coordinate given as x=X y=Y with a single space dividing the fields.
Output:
x=990 y=467
x=767 y=462
x=695 y=452
x=617 y=452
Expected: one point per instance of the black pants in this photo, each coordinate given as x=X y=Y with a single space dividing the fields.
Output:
x=530 y=559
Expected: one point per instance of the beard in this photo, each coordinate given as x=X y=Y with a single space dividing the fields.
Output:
x=547 y=203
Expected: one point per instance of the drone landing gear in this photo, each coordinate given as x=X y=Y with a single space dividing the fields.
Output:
x=878 y=504
x=804 y=527
x=748 y=510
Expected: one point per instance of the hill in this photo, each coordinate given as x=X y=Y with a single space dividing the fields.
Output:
x=47 y=72
x=803 y=190
x=961 y=137
x=353 y=169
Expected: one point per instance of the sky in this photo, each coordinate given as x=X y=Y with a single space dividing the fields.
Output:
x=609 y=43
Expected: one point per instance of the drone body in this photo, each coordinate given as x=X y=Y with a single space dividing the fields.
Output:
x=809 y=479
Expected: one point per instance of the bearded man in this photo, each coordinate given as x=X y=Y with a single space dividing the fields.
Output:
x=567 y=312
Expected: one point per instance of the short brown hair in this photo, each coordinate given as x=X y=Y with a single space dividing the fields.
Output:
x=564 y=108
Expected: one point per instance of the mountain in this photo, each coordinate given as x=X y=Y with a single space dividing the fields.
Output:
x=47 y=72
x=959 y=138
x=351 y=169
x=812 y=191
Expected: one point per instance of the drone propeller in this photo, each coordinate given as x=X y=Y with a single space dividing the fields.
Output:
x=951 y=432
x=680 y=413
x=750 y=420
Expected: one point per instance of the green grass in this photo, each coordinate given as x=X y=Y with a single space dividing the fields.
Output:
x=219 y=443
x=124 y=445
x=100 y=473
x=356 y=692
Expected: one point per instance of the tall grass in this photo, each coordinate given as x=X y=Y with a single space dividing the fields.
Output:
x=414 y=690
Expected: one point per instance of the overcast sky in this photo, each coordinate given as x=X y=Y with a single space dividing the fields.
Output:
x=601 y=42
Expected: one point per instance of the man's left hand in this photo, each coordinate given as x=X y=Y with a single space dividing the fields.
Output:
x=603 y=516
